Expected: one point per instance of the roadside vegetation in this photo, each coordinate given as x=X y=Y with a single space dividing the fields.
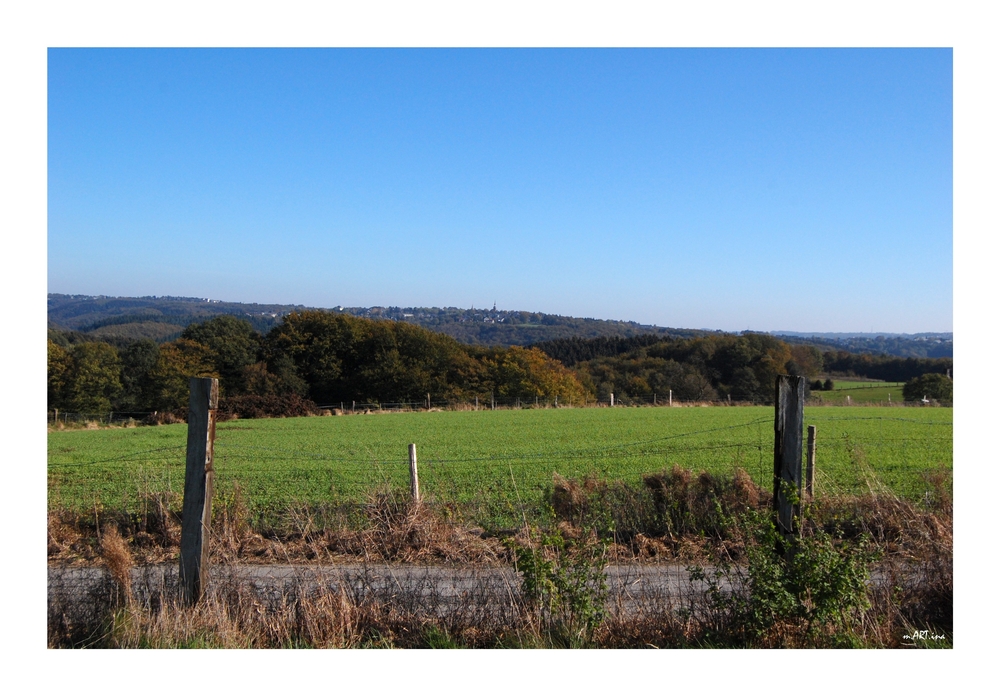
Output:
x=868 y=571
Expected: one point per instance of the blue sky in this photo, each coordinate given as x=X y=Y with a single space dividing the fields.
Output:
x=735 y=189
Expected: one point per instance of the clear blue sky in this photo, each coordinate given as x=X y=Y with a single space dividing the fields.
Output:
x=732 y=189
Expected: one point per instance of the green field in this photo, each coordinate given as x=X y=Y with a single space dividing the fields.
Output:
x=861 y=393
x=493 y=460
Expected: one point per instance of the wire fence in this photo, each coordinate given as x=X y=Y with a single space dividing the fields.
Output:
x=275 y=465
x=105 y=418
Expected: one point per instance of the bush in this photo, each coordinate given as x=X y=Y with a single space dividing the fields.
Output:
x=931 y=386
x=270 y=406
x=702 y=504
x=828 y=385
x=670 y=504
x=563 y=580
x=813 y=594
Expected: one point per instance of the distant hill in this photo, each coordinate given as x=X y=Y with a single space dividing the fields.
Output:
x=920 y=345
x=132 y=315
x=500 y=327
x=163 y=318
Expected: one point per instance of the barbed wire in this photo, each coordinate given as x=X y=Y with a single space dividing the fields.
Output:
x=822 y=419
x=130 y=457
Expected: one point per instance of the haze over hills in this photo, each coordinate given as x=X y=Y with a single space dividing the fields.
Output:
x=919 y=345
x=162 y=318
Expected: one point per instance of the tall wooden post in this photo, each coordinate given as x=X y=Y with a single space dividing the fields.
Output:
x=428 y=401
x=670 y=397
x=414 y=482
x=198 y=478
x=612 y=398
x=790 y=393
x=810 y=461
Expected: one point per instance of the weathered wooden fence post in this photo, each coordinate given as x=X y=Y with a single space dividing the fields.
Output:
x=198 y=478
x=670 y=397
x=612 y=398
x=428 y=401
x=810 y=461
x=414 y=482
x=788 y=402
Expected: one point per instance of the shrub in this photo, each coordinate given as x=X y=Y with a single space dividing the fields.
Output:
x=813 y=594
x=932 y=386
x=702 y=504
x=269 y=406
x=563 y=580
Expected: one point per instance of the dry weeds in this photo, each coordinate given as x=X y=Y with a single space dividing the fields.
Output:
x=675 y=516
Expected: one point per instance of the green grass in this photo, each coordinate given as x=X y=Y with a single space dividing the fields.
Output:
x=496 y=462
x=861 y=392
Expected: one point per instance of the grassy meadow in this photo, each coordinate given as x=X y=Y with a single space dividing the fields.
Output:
x=495 y=463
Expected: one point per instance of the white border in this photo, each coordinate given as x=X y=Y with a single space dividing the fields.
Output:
x=30 y=28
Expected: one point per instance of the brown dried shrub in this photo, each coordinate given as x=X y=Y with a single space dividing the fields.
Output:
x=117 y=559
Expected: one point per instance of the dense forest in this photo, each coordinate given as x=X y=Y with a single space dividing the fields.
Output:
x=718 y=365
x=309 y=358
x=926 y=345
x=325 y=358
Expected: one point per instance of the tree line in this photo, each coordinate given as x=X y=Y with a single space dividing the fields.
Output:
x=310 y=358
x=717 y=366
x=324 y=358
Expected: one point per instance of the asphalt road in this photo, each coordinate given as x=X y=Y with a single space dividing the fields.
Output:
x=430 y=589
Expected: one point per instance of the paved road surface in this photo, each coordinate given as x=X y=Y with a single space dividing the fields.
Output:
x=430 y=589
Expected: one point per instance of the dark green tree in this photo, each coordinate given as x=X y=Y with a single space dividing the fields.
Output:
x=94 y=381
x=60 y=371
x=138 y=360
x=932 y=386
x=234 y=346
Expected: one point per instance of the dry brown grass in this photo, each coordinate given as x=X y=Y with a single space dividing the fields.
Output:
x=393 y=530
x=117 y=559
x=674 y=516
